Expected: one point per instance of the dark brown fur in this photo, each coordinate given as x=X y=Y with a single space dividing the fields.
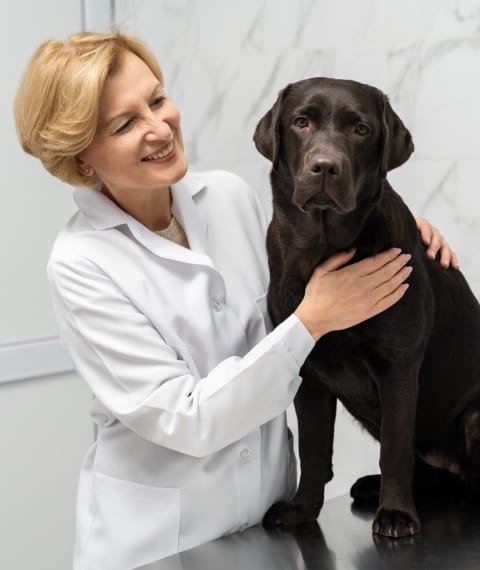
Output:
x=411 y=375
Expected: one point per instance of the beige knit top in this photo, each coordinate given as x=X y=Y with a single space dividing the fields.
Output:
x=174 y=232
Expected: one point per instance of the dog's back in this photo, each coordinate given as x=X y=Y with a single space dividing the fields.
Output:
x=450 y=373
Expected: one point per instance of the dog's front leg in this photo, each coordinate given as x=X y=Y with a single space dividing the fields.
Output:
x=315 y=407
x=396 y=515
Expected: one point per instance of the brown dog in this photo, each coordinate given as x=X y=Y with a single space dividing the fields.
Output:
x=411 y=375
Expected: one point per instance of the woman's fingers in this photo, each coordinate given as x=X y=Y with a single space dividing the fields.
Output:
x=436 y=243
x=386 y=263
x=389 y=300
x=375 y=270
x=426 y=230
x=335 y=261
x=390 y=285
x=385 y=280
x=453 y=260
x=370 y=265
x=387 y=272
x=439 y=245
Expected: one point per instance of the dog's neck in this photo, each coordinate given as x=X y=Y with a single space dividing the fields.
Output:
x=313 y=236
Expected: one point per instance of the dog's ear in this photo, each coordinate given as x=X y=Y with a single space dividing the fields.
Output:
x=267 y=132
x=397 y=140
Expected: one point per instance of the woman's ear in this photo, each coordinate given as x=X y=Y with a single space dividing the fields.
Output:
x=84 y=168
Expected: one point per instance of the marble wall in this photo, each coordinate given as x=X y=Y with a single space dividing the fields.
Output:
x=225 y=61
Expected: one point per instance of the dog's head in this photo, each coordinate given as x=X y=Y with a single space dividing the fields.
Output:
x=334 y=137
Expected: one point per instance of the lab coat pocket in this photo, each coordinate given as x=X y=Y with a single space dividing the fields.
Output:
x=262 y=305
x=133 y=524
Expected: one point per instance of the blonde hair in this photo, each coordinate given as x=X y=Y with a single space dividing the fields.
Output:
x=57 y=103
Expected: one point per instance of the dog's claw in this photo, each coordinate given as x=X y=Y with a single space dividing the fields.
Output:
x=395 y=524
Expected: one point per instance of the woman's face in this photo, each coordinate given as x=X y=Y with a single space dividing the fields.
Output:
x=138 y=147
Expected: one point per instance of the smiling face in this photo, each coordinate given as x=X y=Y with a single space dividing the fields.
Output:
x=138 y=150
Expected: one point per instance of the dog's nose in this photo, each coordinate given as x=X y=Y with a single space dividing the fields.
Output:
x=322 y=166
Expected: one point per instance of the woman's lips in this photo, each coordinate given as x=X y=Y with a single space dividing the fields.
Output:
x=161 y=154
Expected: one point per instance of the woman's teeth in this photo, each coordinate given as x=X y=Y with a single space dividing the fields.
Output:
x=160 y=154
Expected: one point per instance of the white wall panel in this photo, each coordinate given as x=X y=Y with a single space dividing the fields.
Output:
x=45 y=429
x=34 y=205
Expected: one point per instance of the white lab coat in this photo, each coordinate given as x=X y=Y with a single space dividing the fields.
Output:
x=189 y=390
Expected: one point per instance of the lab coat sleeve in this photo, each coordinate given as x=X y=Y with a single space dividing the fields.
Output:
x=139 y=378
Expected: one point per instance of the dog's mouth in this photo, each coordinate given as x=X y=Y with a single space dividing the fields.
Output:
x=336 y=196
x=323 y=203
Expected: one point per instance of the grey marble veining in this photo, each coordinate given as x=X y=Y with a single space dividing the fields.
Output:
x=225 y=61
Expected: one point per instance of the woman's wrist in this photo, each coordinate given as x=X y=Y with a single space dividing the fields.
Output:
x=314 y=328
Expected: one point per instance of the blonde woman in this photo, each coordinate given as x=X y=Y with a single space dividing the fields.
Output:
x=158 y=284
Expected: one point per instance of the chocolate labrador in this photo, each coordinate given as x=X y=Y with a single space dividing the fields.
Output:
x=410 y=375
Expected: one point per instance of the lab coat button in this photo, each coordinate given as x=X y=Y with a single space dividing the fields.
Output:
x=217 y=305
x=244 y=453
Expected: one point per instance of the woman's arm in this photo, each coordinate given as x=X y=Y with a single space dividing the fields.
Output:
x=150 y=386
x=147 y=385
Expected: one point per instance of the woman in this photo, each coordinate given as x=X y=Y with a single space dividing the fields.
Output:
x=158 y=284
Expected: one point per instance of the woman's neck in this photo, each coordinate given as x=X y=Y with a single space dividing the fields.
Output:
x=153 y=210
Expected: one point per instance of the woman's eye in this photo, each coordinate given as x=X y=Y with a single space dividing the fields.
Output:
x=300 y=122
x=158 y=101
x=125 y=126
x=362 y=129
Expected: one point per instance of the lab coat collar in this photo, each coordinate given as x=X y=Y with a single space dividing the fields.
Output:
x=104 y=214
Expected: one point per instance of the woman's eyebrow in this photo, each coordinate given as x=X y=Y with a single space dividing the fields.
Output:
x=109 y=120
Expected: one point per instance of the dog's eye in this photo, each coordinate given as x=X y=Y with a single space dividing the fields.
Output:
x=300 y=122
x=362 y=129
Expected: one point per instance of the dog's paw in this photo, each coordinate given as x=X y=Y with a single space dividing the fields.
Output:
x=366 y=489
x=290 y=514
x=400 y=548
x=395 y=524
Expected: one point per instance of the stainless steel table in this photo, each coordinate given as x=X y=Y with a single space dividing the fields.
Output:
x=342 y=540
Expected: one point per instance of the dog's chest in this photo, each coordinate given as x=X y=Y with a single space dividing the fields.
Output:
x=350 y=367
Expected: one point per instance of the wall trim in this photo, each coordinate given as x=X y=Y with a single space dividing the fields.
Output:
x=33 y=359
x=98 y=15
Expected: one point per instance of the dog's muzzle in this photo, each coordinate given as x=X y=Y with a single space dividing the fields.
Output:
x=326 y=183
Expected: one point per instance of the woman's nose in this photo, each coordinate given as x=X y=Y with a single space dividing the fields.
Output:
x=157 y=129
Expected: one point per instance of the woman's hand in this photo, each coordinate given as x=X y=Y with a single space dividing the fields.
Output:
x=338 y=297
x=435 y=243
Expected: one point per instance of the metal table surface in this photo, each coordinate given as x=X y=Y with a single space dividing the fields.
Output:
x=342 y=540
